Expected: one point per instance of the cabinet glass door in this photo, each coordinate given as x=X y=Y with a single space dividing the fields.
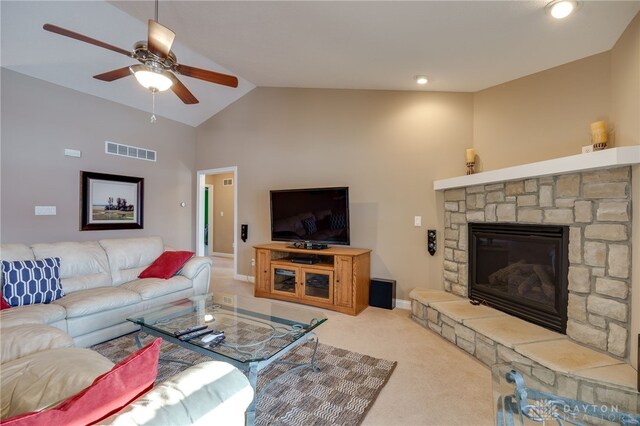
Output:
x=318 y=285
x=284 y=280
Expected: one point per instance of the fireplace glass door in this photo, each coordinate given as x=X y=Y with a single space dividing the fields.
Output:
x=522 y=270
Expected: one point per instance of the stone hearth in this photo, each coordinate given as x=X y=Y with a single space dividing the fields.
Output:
x=551 y=361
x=596 y=205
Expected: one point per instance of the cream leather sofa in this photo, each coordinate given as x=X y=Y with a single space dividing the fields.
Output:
x=41 y=363
x=101 y=286
x=40 y=367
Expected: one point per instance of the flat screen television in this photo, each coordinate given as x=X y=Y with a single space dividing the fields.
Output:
x=312 y=217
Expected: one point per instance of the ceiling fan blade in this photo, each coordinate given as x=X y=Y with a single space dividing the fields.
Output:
x=210 y=76
x=160 y=39
x=181 y=91
x=71 y=34
x=114 y=75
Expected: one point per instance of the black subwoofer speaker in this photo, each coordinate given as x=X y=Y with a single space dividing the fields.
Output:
x=382 y=293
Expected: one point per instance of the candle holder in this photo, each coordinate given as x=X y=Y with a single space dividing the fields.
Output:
x=599 y=136
x=599 y=146
x=471 y=167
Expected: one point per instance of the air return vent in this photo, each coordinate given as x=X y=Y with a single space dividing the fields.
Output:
x=129 y=151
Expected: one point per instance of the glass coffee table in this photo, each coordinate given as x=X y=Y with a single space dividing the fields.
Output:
x=257 y=331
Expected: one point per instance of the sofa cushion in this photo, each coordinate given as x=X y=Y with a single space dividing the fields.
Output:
x=42 y=379
x=150 y=288
x=28 y=282
x=83 y=265
x=130 y=256
x=32 y=314
x=17 y=342
x=91 y=301
x=167 y=264
x=10 y=252
x=107 y=394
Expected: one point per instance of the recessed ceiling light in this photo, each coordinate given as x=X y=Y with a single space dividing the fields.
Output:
x=560 y=9
x=421 y=79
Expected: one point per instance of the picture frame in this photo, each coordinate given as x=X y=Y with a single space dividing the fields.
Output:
x=110 y=202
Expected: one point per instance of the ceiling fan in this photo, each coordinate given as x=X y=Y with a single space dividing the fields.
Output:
x=158 y=64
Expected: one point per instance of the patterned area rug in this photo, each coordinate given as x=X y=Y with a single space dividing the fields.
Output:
x=340 y=393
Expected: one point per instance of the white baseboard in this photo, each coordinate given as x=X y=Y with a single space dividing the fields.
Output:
x=218 y=254
x=247 y=278
x=403 y=304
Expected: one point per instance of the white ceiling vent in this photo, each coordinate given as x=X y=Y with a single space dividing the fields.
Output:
x=227 y=182
x=129 y=151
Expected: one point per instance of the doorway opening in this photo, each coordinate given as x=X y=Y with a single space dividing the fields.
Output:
x=216 y=218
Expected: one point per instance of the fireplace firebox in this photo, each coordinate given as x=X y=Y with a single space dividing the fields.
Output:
x=521 y=270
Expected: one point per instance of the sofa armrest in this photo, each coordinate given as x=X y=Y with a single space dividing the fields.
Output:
x=208 y=393
x=198 y=270
x=194 y=266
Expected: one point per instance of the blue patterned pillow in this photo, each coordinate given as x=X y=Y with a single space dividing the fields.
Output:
x=27 y=282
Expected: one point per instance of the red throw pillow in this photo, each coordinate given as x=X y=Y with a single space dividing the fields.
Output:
x=167 y=265
x=107 y=395
x=3 y=303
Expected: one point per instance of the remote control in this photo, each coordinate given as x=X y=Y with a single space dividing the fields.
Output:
x=189 y=330
x=213 y=335
x=193 y=335
x=215 y=341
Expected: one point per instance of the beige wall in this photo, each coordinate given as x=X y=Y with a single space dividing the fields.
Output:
x=542 y=116
x=40 y=120
x=625 y=86
x=223 y=212
x=388 y=147
x=625 y=96
x=546 y=115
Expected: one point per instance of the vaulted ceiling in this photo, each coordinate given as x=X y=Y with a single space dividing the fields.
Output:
x=459 y=45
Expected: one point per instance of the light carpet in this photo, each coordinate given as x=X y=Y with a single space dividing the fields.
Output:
x=340 y=393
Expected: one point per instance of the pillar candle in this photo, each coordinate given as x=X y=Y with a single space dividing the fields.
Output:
x=598 y=126
x=471 y=155
x=599 y=132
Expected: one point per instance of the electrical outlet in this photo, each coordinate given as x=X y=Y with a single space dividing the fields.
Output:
x=253 y=262
x=45 y=210
x=227 y=300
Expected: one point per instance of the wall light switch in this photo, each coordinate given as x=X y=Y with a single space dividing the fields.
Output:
x=45 y=210
x=417 y=221
x=221 y=213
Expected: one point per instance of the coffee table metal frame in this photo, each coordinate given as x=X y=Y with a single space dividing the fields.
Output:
x=252 y=366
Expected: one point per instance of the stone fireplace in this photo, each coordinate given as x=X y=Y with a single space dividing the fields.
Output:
x=521 y=270
x=595 y=207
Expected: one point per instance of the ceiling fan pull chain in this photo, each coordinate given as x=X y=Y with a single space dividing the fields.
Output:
x=153 y=106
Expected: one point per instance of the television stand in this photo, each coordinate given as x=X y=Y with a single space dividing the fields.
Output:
x=338 y=280
x=308 y=246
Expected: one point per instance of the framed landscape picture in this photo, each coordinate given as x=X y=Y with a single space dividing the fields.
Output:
x=110 y=201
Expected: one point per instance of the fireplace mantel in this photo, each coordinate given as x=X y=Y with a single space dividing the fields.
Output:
x=607 y=158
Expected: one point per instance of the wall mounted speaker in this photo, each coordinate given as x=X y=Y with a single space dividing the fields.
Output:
x=431 y=241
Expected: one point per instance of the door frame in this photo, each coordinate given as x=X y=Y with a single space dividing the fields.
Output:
x=200 y=184
x=211 y=219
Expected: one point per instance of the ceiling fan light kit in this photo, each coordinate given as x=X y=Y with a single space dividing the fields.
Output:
x=151 y=78
x=158 y=64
